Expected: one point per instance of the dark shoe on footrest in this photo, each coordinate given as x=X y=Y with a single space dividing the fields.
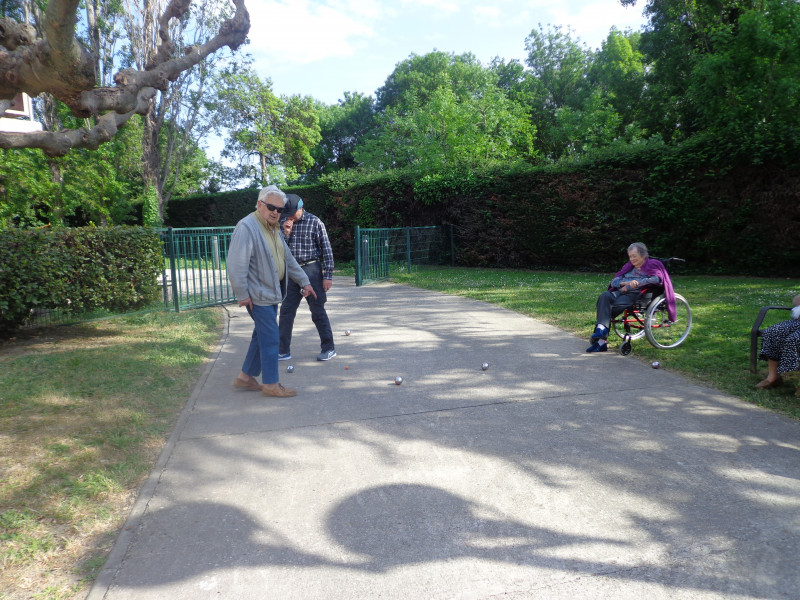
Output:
x=597 y=348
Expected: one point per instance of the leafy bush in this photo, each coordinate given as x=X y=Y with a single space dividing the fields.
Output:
x=76 y=270
x=150 y=216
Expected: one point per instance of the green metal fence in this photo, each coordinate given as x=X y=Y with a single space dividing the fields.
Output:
x=195 y=270
x=195 y=267
x=379 y=250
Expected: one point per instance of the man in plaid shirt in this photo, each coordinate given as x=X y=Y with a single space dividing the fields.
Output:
x=307 y=239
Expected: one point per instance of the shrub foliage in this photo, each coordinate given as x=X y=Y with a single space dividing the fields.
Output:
x=722 y=208
x=76 y=270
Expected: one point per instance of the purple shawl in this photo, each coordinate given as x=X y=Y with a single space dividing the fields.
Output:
x=651 y=267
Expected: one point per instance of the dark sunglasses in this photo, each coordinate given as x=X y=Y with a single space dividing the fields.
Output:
x=271 y=208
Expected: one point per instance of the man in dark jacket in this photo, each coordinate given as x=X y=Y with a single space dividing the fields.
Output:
x=308 y=241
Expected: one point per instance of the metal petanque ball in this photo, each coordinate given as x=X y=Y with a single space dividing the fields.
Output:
x=398 y=380
x=485 y=366
x=347 y=332
x=290 y=369
x=655 y=364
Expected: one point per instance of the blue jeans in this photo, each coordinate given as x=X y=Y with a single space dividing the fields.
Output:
x=316 y=305
x=262 y=355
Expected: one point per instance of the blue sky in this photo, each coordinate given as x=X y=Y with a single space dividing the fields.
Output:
x=322 y=48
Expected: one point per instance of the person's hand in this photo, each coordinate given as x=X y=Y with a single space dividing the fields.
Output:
x=309 y=291
x=287 y=227
x=246 y=302
x=326 y=285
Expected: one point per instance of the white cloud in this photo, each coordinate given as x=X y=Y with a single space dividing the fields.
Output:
x=294 y=32
x=593 y=20
x=488 y=15
x=442 y=6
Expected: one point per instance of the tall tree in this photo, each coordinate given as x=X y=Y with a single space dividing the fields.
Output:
x=558 y=79
x=618 y=70
x=342 y=127
x=466 y=118
x=679 y=32
x=279 y=133
x=177 y=116
x=748 y=88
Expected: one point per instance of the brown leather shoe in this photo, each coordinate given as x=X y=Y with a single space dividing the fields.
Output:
x=250 y=385
x=276 y=390
x=766 y=384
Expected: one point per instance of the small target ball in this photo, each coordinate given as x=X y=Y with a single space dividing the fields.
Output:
x=346 y=368
x=347 y=332
x=398 y=380
x=290 y=369
x=485 y=366
x=655 y=364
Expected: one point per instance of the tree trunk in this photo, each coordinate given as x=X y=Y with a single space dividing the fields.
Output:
x=264 y=175
x=151 y=157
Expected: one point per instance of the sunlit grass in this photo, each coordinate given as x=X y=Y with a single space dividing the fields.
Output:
x=716 y=353
x=84 y=411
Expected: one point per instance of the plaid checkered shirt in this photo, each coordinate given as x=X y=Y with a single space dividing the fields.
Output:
x=309 y=241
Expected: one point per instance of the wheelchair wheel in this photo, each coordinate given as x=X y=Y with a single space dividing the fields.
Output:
x=635 y=325
x=660 y=331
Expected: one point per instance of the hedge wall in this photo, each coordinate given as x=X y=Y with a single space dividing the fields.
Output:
x=76 y=270
x=210 y=210
x=724 y=211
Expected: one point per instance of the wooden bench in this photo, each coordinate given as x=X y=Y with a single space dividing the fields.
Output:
x=756 y=332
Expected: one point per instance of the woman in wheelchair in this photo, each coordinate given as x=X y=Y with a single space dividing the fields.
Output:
x=630 y=281
x=780 y=347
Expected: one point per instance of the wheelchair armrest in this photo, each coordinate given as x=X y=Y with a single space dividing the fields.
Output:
x=756 y=331
x=654 y=289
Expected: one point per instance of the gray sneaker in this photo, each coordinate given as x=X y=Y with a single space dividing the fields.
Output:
x=327 y=355
x=286 y=356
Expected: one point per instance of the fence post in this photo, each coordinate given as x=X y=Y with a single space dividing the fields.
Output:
x=173 y=268
x=408 y=248
x=452 y=247
x=215 y=250
x=358 y=255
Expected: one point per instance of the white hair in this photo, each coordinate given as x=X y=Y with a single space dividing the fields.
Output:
x=270 y=190
x=641 y=249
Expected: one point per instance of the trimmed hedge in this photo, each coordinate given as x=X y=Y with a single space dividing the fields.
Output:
x=76 y=270
x=725 y=211
x=210 y=210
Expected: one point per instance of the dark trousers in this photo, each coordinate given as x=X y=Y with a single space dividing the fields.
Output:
x=612 y=304
x=316 y=305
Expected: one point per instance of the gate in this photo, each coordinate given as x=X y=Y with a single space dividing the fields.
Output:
x=195 y=267
x=378 y=250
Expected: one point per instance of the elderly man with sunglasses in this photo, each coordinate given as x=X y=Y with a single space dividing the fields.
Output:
x=259 y=267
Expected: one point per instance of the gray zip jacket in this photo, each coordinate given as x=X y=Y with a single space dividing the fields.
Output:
x=251 y=266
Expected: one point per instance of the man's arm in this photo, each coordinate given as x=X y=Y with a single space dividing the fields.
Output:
x=238 y=264
x=326 y=252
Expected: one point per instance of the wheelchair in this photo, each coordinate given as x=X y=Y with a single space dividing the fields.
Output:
x=648 y=317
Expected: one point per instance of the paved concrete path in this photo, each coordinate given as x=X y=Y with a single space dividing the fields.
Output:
x=553 y=474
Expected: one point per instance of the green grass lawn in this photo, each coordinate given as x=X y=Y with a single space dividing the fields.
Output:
x=84 y=412
x=716 y=353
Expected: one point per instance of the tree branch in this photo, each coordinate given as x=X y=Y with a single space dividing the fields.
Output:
x=60 y=65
